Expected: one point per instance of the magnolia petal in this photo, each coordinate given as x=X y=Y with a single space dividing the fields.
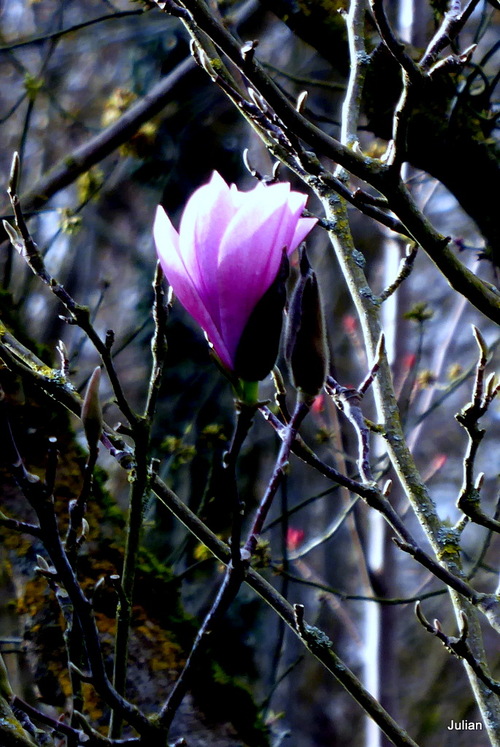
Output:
x=298 y=227
x=177 y=274
x=294 y=228
x=303 y=227
x=294 y=203
x=249 y=258
x=204 y=220
x=165 y=236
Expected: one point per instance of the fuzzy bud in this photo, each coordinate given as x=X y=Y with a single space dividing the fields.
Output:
x=305 y=341
x=259 y=343
x=91 y=410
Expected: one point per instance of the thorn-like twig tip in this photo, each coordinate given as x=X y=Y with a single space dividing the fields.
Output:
x=380 y=347
x=483 y=347
x=11 y=233
x=420 y=615
x=464 y=625
x=301 y=101
x=479 y=481
x=15 y=169
x=386 y=491
x=248 y=50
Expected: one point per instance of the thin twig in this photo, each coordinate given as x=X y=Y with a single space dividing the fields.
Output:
x=395 y=47
x=43 y=38
x=374 y=498
x=140 y=481
x=236 y=569
x=346 y=597
x=405 y=268
x=483 y=394
x=245 y=418
x=459 y=646
x=348 y=400
x=43 y=718
x=453 y=22
x=301 y=410
x=359 y=60
x=80 y=315
x=159 y=347
x=479 y=562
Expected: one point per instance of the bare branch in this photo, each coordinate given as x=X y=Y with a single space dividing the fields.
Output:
x=468 y=417
x=453 y=22
x=405 y=268
x=458 y=646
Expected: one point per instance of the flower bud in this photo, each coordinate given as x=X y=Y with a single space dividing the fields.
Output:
x=226 y=256
x=259 y=343
x=305 y=341
x=91 y=410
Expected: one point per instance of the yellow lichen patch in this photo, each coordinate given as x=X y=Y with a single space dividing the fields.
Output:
x=448 y=551
x=11 y=731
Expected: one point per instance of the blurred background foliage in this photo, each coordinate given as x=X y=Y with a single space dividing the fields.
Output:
x=63 y=79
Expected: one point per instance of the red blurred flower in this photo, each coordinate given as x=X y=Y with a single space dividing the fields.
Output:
x=294 y=538
x=350 y=323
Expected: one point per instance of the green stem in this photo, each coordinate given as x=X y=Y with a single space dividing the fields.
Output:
x=124 y=610
x=141 y=432
x=301 y=409
x=246 y=413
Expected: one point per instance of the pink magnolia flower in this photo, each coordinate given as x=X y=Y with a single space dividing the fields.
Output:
x=228 y=252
